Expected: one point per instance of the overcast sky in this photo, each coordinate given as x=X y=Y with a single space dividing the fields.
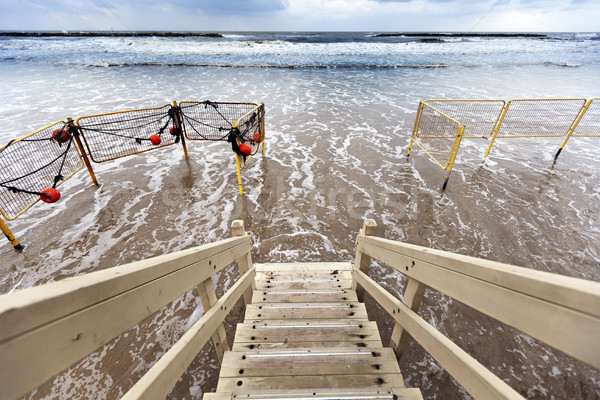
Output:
x=302 y=15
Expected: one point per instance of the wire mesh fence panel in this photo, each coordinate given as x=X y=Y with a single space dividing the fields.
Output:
x=540 y=118
x=250 y=127
x=124 y=133
x=437 y=135
x=41 y=160
x=478 y=116
x=589 y=125
x=208 y=120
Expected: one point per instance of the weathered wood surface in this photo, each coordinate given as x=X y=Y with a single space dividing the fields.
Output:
x=45 y=329
x=561 y=311
x=310 y=381
x=309 y=361
x=299 y=296
x=300 y=330
x=357 y=344
x=307 y=331
x=340 y=310
x=472 y=375
x=163 y=375
x=339 y=394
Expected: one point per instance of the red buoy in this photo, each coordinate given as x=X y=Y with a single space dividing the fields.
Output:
x=50 y=195
x=61 y=136
x=257 y=138
x=174 y=131
x=155 y=139
x=245 y=149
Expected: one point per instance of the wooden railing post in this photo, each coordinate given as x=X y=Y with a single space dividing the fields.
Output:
x=208 y=297
x=245 y=262
x=413 y=294
x=363 y=261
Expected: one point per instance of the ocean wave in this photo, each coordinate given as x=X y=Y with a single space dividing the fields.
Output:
x=270 y=66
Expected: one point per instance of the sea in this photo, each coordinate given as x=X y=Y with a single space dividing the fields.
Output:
x=340 y=111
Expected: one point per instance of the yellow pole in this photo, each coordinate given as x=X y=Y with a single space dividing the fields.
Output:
x=82 y=152
x=497 y=129
x=239 y=173
x=179 y=126
x=11 y=238
x=416 y=127
x=457 y=141
x=573 y=127
x=262 y=129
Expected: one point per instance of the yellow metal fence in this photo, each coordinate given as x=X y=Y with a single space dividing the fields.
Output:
x=494 y=119
x=49 y=156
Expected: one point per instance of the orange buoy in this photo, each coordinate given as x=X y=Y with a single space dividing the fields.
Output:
x=257 y=137
x=155 y=139
x=174 y=131
x=245 y=149
x=50 y=195
x=61 y=136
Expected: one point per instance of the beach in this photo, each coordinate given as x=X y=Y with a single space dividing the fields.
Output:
x=340 y=109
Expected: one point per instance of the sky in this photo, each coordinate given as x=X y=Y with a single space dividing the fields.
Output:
x=303 y=15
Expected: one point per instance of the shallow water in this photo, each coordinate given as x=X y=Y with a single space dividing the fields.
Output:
x=337 y=139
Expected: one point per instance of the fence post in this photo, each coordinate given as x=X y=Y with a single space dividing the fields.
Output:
x=245 y=262
x=177 y=120
x=363 y=261
x=573 y=127
x=415 y=128
x=262 y=129
x=208 y=297
x=9 y=235
x=413 y=294
x=461 y=130
x=75 y=131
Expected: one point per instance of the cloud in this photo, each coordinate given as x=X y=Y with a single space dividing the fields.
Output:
x=234 y=7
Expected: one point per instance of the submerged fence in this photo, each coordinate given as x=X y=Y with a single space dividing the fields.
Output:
x=497 y=119
x=33 y=166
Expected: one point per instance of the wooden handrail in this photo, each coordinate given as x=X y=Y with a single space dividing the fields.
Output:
x=161 y=378
x=473 y=376
x=563 y=312
x=46 y=329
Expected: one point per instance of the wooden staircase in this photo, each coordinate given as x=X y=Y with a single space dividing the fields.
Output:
x=306 y=336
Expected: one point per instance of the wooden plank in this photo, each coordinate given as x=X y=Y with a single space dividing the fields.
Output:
x=338 y=394
x=474 y=377
x=304 y=280
x=161 y=378
x=303 y=295
x=208 y=298
x=244 y=263
x=31 y=358
x=344 y=310
x=318 y=266
x=312 y=382
x=362 y=261
x=326 y=361
x=569 y=330
x=578 y=294
x=302 y=331
x=413 y=295
x=27 y=309
x=352 y=344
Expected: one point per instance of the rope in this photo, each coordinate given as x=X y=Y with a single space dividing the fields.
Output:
x=57 y=178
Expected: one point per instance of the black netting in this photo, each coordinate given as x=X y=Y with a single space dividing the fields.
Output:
x=120 y=134
x=209 y=120
x=33 y=163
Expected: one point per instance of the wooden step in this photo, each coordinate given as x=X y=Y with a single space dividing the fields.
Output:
x=310 y=266
x=278 y=295
x=326 y=361
x=339 y=310
x=281 y=331
x=313 y=382
x=316 y=279
x=352 y=344
x=320 y=394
